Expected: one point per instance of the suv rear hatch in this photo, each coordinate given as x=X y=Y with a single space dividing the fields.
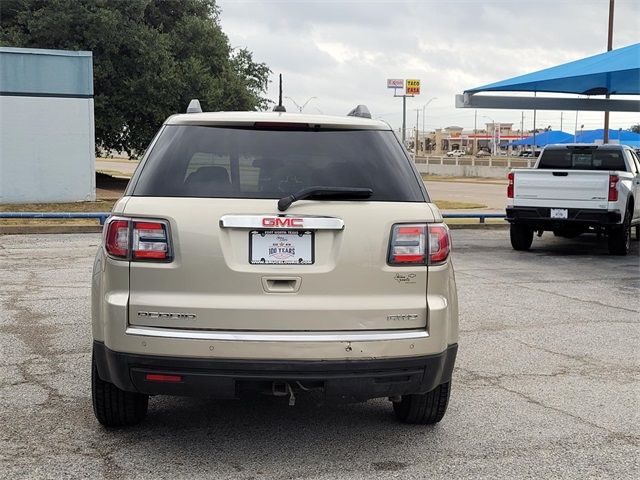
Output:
x=241 y=264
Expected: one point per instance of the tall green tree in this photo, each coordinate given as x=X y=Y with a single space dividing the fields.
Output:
x=150 y=57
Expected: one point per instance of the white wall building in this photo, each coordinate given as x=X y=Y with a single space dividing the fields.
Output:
x=46 y=126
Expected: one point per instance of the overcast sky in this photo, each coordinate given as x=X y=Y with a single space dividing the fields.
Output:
x=343 y=51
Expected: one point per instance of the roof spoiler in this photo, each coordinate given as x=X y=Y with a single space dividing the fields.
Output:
x=360 y=111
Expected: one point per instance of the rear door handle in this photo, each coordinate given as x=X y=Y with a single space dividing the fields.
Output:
x=281 y=284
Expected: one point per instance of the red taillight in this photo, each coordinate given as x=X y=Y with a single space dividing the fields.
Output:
x=159 y=377
x=613 y=188
x=510 y=177
x=439 y=243
x=137 y=239
x=150 y=241
x=408 y=246
x=117 y=238
x=419 y=244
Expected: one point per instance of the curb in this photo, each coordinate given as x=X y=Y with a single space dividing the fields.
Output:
x=48 y=229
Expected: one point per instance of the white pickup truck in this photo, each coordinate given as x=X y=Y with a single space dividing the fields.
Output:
x=577 y=188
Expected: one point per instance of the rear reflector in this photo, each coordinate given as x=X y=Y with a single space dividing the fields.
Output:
x=159 y=377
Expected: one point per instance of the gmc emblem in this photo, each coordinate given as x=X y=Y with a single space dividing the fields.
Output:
x=275 y=222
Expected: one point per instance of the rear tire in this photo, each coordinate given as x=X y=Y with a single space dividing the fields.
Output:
x=620 y=237
x=521 y=236
x=424 y=409
x=114 y=407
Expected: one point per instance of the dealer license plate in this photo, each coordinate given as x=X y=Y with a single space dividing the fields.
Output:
x=281 y=247
x=559 y=213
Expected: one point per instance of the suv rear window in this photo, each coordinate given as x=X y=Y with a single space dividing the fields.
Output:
x=582 y=159
x=204 y=161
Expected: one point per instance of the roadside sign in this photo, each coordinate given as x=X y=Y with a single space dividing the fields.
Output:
x=413 y=87
x=395 y=83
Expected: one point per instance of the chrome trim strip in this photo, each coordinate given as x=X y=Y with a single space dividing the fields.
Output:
x=372 y=336
x=256 y=221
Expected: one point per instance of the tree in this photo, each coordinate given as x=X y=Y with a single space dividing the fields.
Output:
x=150 y=57
x=635 y=128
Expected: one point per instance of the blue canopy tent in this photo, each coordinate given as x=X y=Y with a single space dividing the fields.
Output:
x=624 y=137
x=611 y=73
x=544 y=138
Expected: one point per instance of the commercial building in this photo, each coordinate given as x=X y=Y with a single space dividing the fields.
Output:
x=47 y=128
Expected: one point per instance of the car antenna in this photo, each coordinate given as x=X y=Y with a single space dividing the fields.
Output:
x=279 y=107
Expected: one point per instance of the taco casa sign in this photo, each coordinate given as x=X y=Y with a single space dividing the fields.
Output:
x=413 y=87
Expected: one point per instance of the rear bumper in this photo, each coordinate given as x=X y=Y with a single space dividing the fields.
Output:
x=540 y=217
x=344 y=380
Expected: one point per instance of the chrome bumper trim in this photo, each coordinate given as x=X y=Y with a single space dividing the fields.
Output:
x=370 y=336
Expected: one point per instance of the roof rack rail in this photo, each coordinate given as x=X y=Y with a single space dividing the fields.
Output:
x=194 y=106
x=360 y=111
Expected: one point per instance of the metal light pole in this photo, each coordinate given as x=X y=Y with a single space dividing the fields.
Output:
x=300 y=108
x=424 y=107
x=493 y=135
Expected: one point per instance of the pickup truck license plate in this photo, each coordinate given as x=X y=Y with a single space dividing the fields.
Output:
x=281 y=247
x=559 y=213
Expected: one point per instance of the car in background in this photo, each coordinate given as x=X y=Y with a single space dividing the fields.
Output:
x=456 y=153
x=482 y=153
x=574 y=189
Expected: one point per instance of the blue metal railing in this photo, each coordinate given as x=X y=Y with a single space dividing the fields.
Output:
x=481 y=216
x=102 y=216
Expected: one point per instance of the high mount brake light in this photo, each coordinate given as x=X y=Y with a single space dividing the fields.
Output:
x=510 y=186
x=613 y=188
x=419 y=244
x=137 y=239
x=281 y=126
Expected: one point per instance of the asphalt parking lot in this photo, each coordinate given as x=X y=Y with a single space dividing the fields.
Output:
x=546 y=383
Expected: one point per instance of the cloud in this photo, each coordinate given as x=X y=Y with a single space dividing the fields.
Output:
x=343 y=51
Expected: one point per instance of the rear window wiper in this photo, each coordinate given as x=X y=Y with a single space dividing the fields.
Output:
x=329 y=192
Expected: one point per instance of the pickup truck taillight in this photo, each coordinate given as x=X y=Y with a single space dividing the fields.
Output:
x=510 y=177
x=613 y=188
x=137 y=239
x=419 y=244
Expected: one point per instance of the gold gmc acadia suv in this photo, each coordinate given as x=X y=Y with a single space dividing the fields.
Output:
x=274 y=253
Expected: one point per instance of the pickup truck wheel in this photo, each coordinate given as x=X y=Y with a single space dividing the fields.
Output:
x=424 y=409
x=521 y=236
x=620 y=237
x=114 y=407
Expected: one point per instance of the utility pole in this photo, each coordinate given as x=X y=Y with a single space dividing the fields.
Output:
x=605 y=138
x=521 y=125
x=415 y=147
x=475 y=132
x=561 y=121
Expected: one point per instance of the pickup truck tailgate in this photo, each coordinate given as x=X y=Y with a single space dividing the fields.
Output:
x=561 y=188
